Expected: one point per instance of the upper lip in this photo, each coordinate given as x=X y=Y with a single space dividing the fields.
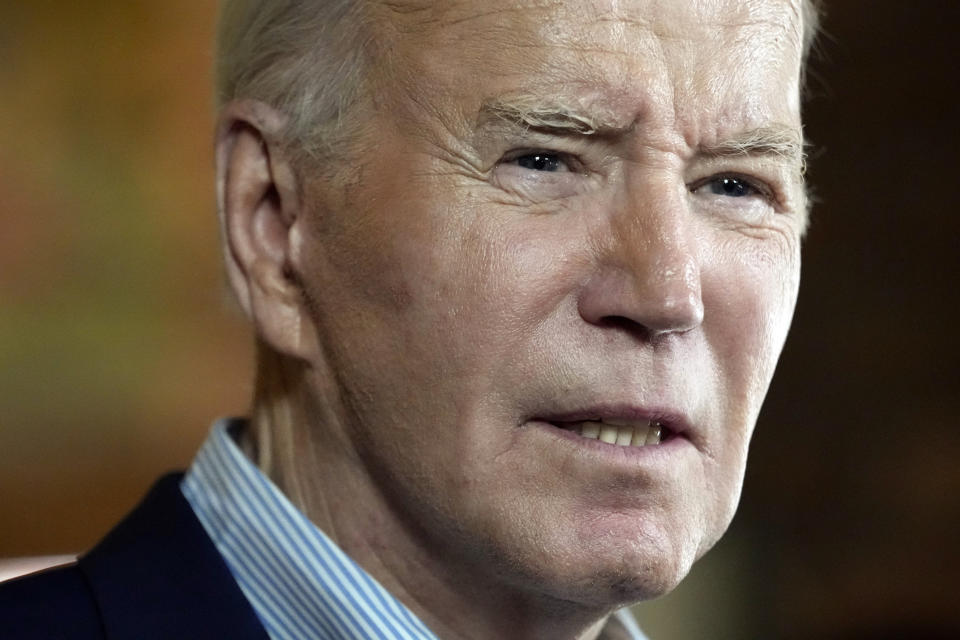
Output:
x=672 y=419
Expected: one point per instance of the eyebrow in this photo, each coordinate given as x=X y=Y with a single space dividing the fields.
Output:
x=557 y=117
x=554 y=116
x=778 y=140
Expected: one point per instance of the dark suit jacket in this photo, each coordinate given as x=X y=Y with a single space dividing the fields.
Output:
x=155 y=576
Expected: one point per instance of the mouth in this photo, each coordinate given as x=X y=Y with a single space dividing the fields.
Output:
x=618 y=432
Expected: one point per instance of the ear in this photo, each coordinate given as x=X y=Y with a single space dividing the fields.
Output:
x=258 y=200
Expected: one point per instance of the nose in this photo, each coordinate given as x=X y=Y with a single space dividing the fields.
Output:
x=647 y=271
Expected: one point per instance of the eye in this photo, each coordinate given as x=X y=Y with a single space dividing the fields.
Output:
x=542 y=161
x=541 y=175
x=731 y=187
x=745 y=197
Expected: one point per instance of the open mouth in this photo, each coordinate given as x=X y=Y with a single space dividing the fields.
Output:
x=625 y=433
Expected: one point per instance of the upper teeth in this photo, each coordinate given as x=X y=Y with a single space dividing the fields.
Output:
x=621 y=433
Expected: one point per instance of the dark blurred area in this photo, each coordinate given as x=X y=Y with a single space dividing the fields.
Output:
x=854 y=487
x=117 y=345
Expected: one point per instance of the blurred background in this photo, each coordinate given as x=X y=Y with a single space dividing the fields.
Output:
x=119 y=346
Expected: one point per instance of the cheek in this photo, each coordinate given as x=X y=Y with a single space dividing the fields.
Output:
x=750 y=290
x=482 y=282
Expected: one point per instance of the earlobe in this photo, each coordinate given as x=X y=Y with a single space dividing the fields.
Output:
x=258 y=203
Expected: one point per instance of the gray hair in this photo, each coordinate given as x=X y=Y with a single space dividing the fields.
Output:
x=307 y=58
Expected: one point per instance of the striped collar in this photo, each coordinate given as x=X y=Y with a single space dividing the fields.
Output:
x=300 y=584
x=298 y=581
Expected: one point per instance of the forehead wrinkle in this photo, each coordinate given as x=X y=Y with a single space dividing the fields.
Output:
x=629 y=74
x=738 y=21
x=420 y=15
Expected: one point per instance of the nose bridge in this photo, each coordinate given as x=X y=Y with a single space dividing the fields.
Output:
x=649 y=268
x=655 y=244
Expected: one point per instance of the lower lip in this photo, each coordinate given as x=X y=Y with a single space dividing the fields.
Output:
x=667 y=448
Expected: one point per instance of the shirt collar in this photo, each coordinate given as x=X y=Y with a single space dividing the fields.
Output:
x=298 y=581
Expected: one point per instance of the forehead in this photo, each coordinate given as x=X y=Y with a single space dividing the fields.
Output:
x=668 y=59
x=678 y=19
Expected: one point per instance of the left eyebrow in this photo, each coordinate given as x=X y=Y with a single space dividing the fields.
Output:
x=778 y=140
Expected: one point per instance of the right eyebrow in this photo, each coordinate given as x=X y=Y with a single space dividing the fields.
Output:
x=554 y=116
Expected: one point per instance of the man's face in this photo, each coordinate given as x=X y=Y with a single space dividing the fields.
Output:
x=568 y=213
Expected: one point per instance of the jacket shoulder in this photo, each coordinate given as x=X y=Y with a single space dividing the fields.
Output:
x=56 y=604
x=157 y=575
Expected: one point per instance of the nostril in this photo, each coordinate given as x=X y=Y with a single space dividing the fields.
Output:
x=624 y=324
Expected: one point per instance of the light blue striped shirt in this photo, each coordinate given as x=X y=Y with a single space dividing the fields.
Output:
x=300 y=584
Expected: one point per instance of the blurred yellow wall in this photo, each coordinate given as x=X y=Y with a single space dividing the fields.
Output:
x=118 y=344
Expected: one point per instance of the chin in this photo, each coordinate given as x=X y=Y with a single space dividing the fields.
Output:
x=621 y=573
x=640 y=580
x=608 y=590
